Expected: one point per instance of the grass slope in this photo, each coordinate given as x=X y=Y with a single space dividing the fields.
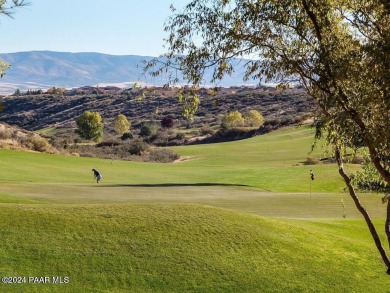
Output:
x=261 y=175
x=271 y=162
x=182 y=248
x=151 y=227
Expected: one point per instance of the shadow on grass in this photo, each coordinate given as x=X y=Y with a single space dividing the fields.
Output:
x=175 y=185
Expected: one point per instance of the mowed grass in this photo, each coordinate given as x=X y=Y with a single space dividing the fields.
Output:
x=183 y=248
x=271 y=162
x=192 y=226
x=263 y=175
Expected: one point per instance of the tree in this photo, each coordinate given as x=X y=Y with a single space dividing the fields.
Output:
x=254 y=119
x=337 y=50
x=7 y=8
x=90 y=125
x=368 y=179
x=232 y=119
x=121 y=124
x=17 y=92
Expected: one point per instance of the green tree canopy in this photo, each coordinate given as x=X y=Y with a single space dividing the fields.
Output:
x=90 y=126
x=337 y=50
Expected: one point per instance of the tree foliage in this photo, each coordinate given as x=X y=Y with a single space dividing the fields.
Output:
x=3 y=67
x=254 y=119
x=190 y=100
x=121 y=124
x=90 y=126
x=339 y=51
x=232 y=119
x=368 y=179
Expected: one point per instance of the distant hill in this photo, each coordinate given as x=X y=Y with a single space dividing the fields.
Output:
x=44 y=69
x=38 y=111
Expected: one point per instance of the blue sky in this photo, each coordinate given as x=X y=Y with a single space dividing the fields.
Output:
x=118 y=27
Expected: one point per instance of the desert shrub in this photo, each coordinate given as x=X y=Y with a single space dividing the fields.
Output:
x=126 y=136
x=167 y=122
x=148 y=129
x=52 y=90
x=108 y=143
x=180 y=135
x=37 y=143
x=137 y=147
x=104 y=152
x=357 y=160
x=160 y=138
x=5 y=134
x=163 y=155
x=63 y=143
x=206 y=129
x=77 y=140
x=311 y=161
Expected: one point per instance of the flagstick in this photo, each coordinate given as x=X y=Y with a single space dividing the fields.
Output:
x=310 y=193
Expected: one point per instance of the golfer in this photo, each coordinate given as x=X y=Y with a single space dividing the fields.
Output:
x=97 y=175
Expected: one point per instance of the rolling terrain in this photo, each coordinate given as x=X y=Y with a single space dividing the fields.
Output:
x=240 y=216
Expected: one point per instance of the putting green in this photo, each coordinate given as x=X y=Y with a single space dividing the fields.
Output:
x=270 y=204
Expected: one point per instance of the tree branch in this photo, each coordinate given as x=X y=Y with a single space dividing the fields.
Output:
x=362 y=210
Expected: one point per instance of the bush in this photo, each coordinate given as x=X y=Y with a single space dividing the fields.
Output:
x=38 y=144
x=357 y=160
x=232 y=119
x=5 y=134
x=108 y=143
x=206 y=129
x=160 y=138
x=254 y=119
x=121 y=124
x=163 y=155
x=311 y=161
x=180 y=135
x=167 y=122
x=148 y=129
x=137 y=147
x=126 y=136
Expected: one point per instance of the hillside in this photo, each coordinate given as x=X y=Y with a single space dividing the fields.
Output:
x=40 y=111
x=15 y=138
x=44 y=69
x=193 y=226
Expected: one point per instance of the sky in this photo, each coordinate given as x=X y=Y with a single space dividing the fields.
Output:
x=116 y=27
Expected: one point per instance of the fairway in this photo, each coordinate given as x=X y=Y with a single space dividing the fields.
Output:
x=232 y=218
x=263 y=175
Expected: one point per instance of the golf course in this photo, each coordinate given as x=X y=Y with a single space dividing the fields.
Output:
x=241 y=216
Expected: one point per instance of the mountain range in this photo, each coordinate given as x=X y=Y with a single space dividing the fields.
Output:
x=44 y=69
